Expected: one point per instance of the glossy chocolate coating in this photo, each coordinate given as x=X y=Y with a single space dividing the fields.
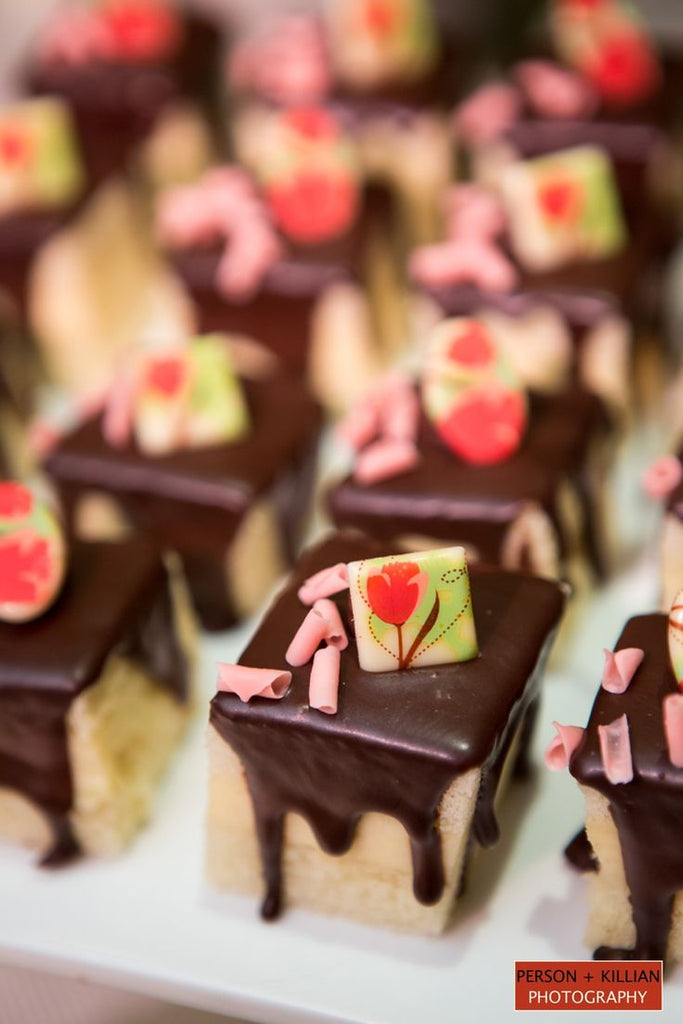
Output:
x=115 y=599
x=448 y=499
x=194 y=500
x=646 y=811
x=399 y=738
x=116 y=103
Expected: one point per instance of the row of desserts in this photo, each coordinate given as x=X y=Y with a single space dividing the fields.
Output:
x=468 y=348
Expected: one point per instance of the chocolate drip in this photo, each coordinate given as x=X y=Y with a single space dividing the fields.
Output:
x=580 y=853
x=646 y=811
x=116 y=599
x=399 y=739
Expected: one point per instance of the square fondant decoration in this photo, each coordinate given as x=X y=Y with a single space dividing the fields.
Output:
x=563 y=208
x=39 y=162
x=412 y=610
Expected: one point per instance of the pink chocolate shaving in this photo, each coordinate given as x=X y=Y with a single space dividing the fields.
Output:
x=560 y=749
x=488 y=112
x=307 y=639
x=385 y=459
x=335 y=634
x=249 y=682
x=673 y=727
x=76 y=36
x=615 y=750
x=117 y=420
x=288 y=64
x=324 y=583
x=323 y=687
x=620 y=668
x=555 y=92
x=463 y=260
x=660 y=479
x=399 y=417
x=360 y=426
x=474 y=212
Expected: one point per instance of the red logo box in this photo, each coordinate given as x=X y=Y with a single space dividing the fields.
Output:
x=588 y=985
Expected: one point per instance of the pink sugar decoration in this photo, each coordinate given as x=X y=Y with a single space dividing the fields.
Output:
x=399 y=418
x=555 y=92
x=117 y=419
x=43 y=436
x=324 y=583
x=288 y=63
x=663 y=476
x=307 y=639
x=620 y=668
x=488 y=112
x=615 y=750
x=463 y=260
x=335 y=634
x=323 y=687
x=560 y=749
x=673 y=727
x=385 y=459
x=474 y=211
x=359 y=426
x=249 y=682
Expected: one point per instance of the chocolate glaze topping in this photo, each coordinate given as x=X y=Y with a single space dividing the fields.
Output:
x=116 y=599
x=646 y=811
x=446 y=498
x=193 y=500
x=399 y=738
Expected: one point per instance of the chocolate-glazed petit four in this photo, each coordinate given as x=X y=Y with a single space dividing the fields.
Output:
x=292 y=257
x=120 y=64
x=473 y=459
x=393 y=767
x=216 y=468
x=42 y=182
x=629 y=764
x=96 y=653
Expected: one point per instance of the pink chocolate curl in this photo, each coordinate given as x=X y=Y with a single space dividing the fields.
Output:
x=673 y=727
x=554 y=92
x=615 y=750
x=463 y=260
x=324 y=583
x=620 y=668
x=360 y=426
x=560 y=749
x=488 y=112
x=288 y=63
x=400 y=415
x=335 y=634
x=385 y=459
x=474 y=211
x=249 y=682
x=323 y=687
x=307 y=639
x=660 y=479
x=117 y=419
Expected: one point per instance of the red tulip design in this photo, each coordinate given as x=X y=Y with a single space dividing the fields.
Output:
x=16 y=501
x=394 y=594
x=15 y=148
x=141 y=29
x=472 y=348
x=626 y=70
x=486 y=425
x=381 y=17
x=26 y=568
x=167 y=376
x=561 y=200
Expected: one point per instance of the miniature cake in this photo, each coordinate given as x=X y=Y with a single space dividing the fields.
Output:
x=390 y=69
x=96 y=650
x=294 y=257
x=393 y=767
x=477 y=461
x=214 y=467
x=629 y=764
x=41 y=184
x=120 y=64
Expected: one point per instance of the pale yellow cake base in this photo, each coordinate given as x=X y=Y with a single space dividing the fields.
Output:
x=371 y=883
x=121 y=734
x=610 y=920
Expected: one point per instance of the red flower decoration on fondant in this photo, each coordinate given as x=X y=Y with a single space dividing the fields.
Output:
x=313 y=206
x=472 y=348
x=381 y=17
x=167 y=375
x=396 y=591
x=486 y=425
x=15 y=147
x=141 y=29
x=626 y=69
x=16 y=501
x=560 y=199
x=25 y=567
x=313 y=123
